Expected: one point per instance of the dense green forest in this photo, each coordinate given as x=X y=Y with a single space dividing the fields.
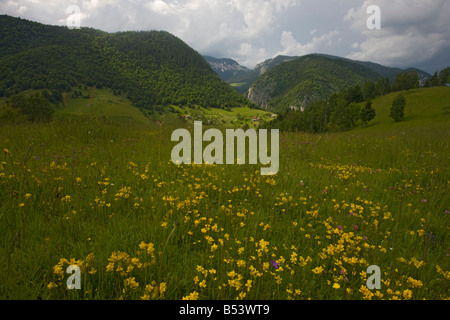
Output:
x=344 y=110
x=311 y=77
x=153 y=68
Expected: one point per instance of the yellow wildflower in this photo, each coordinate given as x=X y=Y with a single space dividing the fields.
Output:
x=240 y=263
x=407 y=294
x=51 y=285
x=131 y=282
x=192 y=296
x=248 y=285
x=318 y=270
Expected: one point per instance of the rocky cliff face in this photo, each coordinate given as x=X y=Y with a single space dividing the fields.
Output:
x=226 y=68
x=261 y=95
x=263 y=92
x=294 y=83
x=297 y=81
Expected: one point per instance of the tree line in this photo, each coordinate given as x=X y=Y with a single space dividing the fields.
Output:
x=347 y=108
x=153 y=69
x=438 y=79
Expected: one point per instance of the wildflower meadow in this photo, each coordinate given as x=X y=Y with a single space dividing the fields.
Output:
x=106 y=197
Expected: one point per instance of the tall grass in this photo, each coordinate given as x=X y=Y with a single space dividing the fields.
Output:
x=105 y=196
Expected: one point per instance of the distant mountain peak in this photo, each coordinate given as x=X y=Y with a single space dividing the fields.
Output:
x=266 y=65
x=242 y=78
x=290 y=84
x=226 y=68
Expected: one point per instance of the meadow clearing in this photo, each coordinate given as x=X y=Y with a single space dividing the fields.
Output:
x=105 y=196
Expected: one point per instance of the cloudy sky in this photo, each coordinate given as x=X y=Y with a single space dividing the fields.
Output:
x=413 y=32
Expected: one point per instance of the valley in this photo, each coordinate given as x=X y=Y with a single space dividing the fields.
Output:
x=89 y=122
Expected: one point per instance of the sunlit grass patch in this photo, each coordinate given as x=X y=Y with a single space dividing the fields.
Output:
x=83 y=190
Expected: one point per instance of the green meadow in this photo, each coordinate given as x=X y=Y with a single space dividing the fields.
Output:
x=96 y=188
x=118 y=108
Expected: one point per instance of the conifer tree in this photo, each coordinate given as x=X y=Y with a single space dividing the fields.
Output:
x=367 y=113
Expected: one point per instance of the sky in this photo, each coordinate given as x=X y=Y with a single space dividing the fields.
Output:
x=402 y=33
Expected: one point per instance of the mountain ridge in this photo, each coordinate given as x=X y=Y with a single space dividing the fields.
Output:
x=157 y=69
x=226 y=68
x=384 y=71
x=154 y=68
x=295 y=83
x=243 y=81
x=314 y=85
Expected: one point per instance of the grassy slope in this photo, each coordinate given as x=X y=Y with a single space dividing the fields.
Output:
x=120 y=109
x=81 y=185
x=424 y=106
x=237 y=117
x=105 y=103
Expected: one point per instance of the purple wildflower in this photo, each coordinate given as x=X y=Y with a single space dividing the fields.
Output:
x=274 y=263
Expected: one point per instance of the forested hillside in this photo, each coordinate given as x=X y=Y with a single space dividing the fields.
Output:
x=309 y=77
x=358 y=105
x=152 y=68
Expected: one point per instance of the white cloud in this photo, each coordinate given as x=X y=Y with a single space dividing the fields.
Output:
x=159 y=7
x=22 y=9
x=411 y=31
x=245 y=49
x=293 y=48
x=258 y=16
x=248 y=55
x=262 y=54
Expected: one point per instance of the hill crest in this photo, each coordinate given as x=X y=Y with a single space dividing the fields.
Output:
x=154 y=68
